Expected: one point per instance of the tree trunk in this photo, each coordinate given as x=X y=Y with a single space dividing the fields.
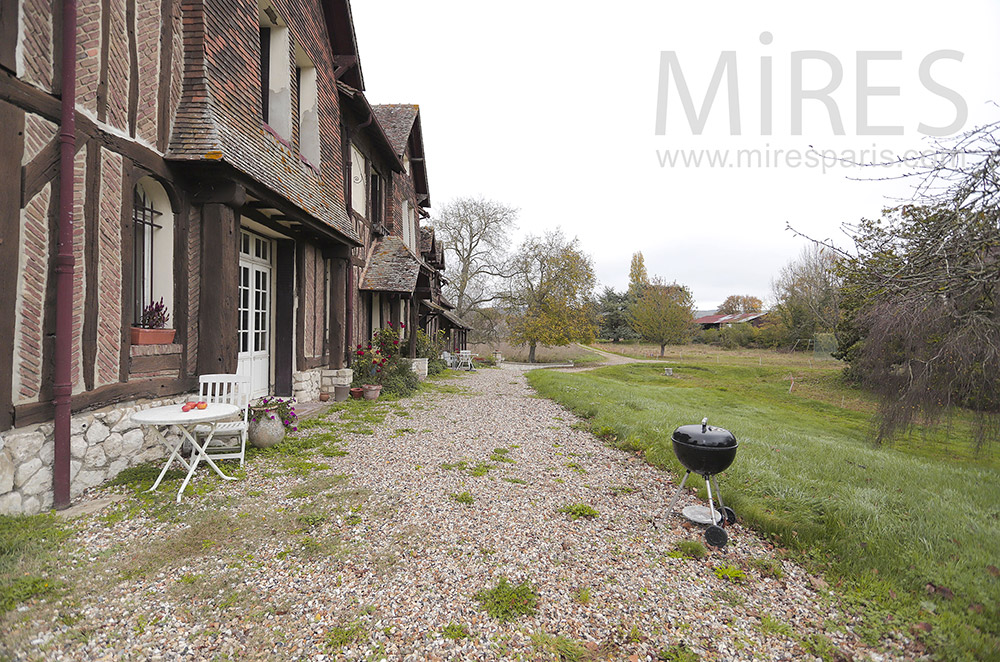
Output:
x=531 y=352
x=661 y=349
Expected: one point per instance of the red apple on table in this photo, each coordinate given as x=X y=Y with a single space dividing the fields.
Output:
x=188 y=407
x=202 y=405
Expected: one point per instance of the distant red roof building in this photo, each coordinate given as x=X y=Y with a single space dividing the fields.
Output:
x=717 y=321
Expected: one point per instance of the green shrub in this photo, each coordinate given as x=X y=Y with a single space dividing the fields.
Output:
x=399 y=379
x=505 y=602
x=729 y=572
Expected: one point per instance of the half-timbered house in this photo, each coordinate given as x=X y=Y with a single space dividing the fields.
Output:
x=213 y=165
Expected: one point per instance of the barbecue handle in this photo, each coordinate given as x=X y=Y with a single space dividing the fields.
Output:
x=704 y=423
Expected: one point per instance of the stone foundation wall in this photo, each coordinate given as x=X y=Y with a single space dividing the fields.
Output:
x=102 y=444
x=419 y=366
x=331 y=378
x=306 y=385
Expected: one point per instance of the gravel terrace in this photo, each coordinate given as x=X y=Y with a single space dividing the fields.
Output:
x=372 y=557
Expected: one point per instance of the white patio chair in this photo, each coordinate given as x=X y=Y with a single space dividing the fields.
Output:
x=230 y=439
x=465 y=359
x=448 y=359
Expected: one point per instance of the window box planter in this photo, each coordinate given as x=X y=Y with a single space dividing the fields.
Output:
x=141 y=336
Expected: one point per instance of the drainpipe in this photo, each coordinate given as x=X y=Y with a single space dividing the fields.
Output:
x=62 y=390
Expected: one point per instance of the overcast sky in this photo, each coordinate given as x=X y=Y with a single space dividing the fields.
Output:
x=551 y=107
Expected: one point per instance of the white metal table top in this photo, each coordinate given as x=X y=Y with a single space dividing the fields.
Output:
x=174 y=415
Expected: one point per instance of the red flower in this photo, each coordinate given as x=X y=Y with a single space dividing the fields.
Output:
x=395 y=342
x=402 y=326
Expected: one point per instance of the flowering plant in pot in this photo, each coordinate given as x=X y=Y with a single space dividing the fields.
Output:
x=151 y=329
x=269 y=418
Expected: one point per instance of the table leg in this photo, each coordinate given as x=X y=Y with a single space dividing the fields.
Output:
x=174 y=455
x=198 y=453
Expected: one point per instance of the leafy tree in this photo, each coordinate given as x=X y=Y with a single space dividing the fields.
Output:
x=807 y=294
x=740 y=303
x=615 y=323
x=663 y=314
x=549 y=293
x=638 y=279
x=476 y=233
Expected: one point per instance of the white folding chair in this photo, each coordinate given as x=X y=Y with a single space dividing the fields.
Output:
x=230 y=439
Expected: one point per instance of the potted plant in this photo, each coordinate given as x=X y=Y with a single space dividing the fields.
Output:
x=151 y=329
x=368 y=364
x=269 y=418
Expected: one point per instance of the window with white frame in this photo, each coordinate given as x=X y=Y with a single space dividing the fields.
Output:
x=275 y=73
x=359 y=180
x=405 y=222
x=152 y=249
x=306 y=97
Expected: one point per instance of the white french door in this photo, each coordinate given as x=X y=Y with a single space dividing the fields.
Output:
x=254 y=359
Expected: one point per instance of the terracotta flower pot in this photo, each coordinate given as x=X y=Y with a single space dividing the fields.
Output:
x=324 y=396
x=357 y=392
x=141 y=336
x=372 y=391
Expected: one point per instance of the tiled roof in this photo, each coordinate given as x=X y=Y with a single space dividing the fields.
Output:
x=391 y=268
x=397 y=120
x=455 y=322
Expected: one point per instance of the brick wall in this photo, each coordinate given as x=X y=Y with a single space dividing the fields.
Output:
x=109 y=271
x=118 y=65
x=31 y=295
x=79 y=270
x=147 y=36
x=88 y=54
x=37 y=43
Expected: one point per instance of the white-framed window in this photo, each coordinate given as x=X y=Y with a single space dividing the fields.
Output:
x=275 y=72
x=405 y=222
x=152 y=248
x=359 y=180
x=305 y=90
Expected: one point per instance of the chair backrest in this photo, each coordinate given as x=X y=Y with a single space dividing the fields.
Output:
x=228 y=389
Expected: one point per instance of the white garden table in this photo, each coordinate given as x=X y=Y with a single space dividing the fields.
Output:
x=172 y=415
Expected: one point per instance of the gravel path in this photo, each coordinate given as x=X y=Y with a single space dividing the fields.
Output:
x=368 y=556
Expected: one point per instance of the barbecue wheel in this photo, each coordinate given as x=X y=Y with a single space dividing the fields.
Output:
x=716 y=536
x=728 y=515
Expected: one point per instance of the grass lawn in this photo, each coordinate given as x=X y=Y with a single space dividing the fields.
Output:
x=543 y=353
x=909 y=534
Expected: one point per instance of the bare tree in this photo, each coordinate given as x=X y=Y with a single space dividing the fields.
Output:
x=807 y=294
x=476 y=235
x=922 y=290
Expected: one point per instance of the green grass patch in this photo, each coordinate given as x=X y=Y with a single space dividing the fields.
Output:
x=562 y=649
x=692 y=549
x=481 y=469
x=463 y=498
x=341 y=636
x=516 y=481
x=729 y=573
x=879 y=523
x=677 y=653
x=455 y=631
x=27 y=546
x=578 y=510
x=505 y=601
x=767 y=567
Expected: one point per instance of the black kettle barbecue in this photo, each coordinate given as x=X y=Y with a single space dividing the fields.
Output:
x=707 y=451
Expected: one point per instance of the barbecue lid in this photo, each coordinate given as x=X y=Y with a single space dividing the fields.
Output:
x=704 y=435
